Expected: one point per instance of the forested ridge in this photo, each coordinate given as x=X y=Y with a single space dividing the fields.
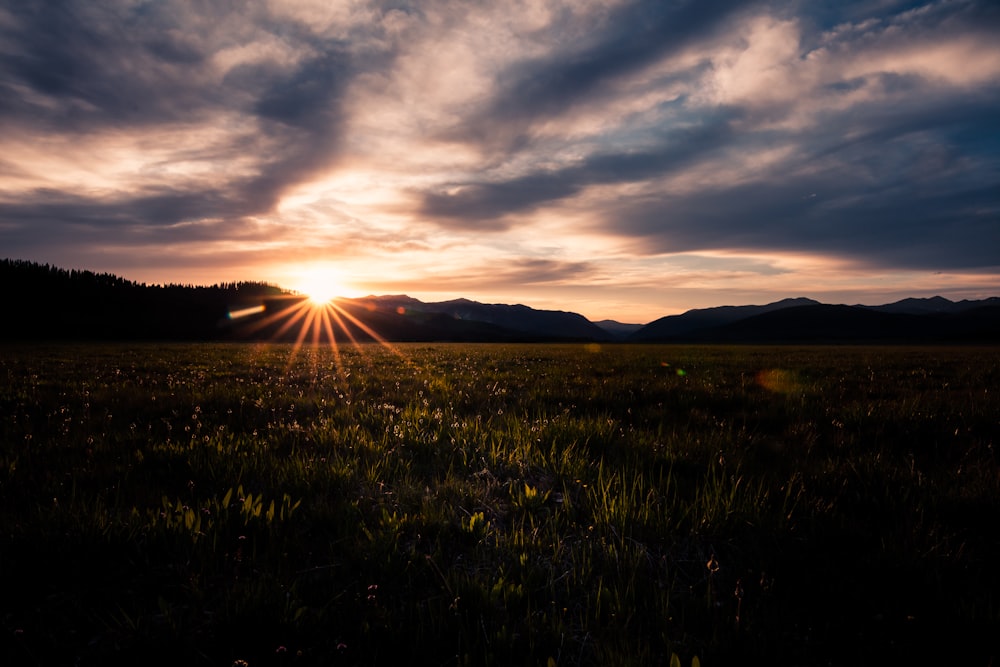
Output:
x=48 y=302
x=43 y=302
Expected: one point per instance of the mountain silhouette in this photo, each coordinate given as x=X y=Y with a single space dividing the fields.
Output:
x=515 y=318
x=676 y=326
x=382 y=319
x=42 y=302
x=618 y=330
x=932 y=305
x=822 y=323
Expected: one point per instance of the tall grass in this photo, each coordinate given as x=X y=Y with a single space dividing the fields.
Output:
x=497 y=505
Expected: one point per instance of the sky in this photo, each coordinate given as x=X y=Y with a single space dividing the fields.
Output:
x=623 y=159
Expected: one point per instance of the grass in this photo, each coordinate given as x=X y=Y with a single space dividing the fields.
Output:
x=498 y=505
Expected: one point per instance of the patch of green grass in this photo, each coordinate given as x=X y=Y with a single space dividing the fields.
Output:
x=497 y=504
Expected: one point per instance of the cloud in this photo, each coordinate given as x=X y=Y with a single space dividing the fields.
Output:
x=503 y=273
x=74 y=66
x=491 y=201
x=85 y=69
x=631 y=37
x=559 y=142
x=867 y=149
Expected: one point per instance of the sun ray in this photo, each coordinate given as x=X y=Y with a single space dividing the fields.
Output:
x=310 y=315
x=296 y=315
x=333 y=341
x=273 y=318
x=314 y=322
x=368 y=330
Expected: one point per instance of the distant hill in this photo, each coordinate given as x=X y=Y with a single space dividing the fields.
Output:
x=821 y=323
x=363 y=320
x=49 y=303
x=618 y=330
x=825 y=323
x=932 y=305
x=42 y=302
x=685 y=324
x=516 y=318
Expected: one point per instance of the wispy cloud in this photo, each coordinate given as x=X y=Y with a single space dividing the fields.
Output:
x=538 y=147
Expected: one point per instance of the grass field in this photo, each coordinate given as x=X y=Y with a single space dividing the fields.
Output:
x=498 y=505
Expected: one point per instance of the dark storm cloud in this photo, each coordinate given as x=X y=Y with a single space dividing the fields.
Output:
x=830 y=14
x=918 y=231
x=83 y=67
x=306 y=98
x=633 y=36
x=489 y=203
x=900 y=194
x=163 y=208
x=897 y=168
x=916 y=188
x=303 y=112
x=522 y=272
x=506 y=274
x=861 y=130
x=95 y=65
x=54 y=218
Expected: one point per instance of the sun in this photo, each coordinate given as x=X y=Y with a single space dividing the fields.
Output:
x=313 y=313
x=320 y=285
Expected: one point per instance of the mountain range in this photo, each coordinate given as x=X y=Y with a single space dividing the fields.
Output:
x=807 y=321
x=45 y=303
x=804 y=320
x=933 y=319
x=517 y=320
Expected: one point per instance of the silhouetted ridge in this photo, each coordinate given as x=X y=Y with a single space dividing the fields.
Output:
x=693 y=321
x=517 y=321
x=42 y=302
x=820 y=323
x=46 y=303
x=932 y=305
x=618 y=330
x=49 y=303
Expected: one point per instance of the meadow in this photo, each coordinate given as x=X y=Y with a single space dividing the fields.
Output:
x=231 y=504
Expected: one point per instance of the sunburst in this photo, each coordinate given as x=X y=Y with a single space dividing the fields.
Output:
x=320 y=284
x=315 y=314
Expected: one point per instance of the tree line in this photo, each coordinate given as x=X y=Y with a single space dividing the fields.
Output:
x=43 y=302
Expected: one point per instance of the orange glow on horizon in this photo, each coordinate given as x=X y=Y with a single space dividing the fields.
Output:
x=320 y=284
x=317 y=322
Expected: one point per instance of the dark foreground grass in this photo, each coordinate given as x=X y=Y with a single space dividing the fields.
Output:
x=498 y=505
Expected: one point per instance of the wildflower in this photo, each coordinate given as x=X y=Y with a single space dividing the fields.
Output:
x=712 y=564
